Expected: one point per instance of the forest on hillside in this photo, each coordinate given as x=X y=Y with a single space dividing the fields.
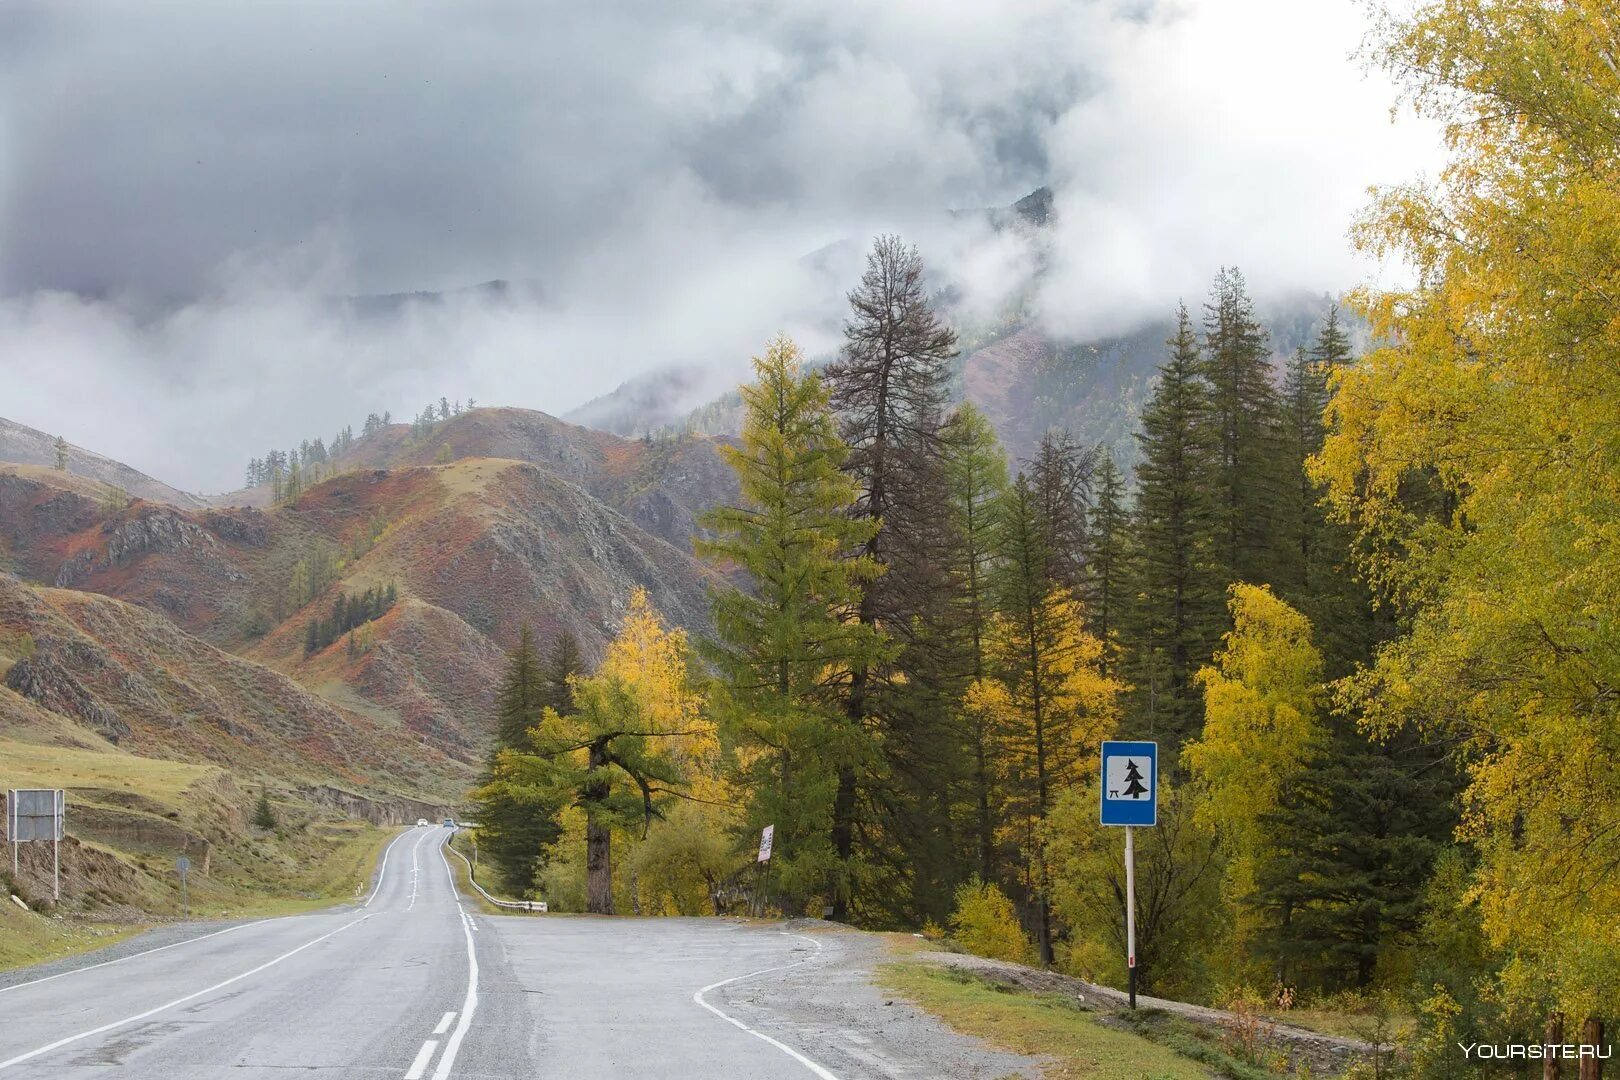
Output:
x=1366 y=605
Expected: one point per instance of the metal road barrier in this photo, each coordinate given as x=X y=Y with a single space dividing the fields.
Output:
x=514 y=905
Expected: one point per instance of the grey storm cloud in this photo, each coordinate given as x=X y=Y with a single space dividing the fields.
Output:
x=147 y=144
x=185 y=187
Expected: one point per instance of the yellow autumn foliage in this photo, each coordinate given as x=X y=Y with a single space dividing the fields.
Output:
x=1478 y=454
x=1262 y=726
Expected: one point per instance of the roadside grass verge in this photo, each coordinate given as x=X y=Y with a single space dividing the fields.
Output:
x=1076 y=1042
x=30 y=938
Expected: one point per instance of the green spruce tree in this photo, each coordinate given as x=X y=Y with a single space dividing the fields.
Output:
x=1250 y=471
x=975 y=470
x=1107 y=558
x=513 y=825
x=1176 y=610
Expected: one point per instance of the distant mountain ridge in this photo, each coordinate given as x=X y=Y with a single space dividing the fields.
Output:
x=24 y=445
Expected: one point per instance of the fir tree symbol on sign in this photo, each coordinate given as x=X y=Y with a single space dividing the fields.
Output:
x=1126 y=779
x=1133 y=780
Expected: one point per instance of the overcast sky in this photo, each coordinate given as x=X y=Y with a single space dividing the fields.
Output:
x=183 y=188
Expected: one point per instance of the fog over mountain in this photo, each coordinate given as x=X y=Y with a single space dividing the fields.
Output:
x=189 y=200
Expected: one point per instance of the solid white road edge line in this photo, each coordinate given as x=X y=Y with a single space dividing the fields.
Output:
x=470 y=1003
x=59 y=1043
x=187 y=941
x=823 y=1073
x=444 y=1024
x=423 y=1056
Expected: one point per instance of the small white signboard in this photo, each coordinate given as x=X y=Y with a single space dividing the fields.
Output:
x=767 y=836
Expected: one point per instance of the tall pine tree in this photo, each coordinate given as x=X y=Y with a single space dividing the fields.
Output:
x=1176 y=610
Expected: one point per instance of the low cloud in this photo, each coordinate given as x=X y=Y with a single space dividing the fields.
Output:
x=186 y=195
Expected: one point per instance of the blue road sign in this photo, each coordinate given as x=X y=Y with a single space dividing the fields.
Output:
x=1130 y=783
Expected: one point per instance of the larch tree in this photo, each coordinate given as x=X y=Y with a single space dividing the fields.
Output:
x=889 y=388
x=1499 y=385
x=637 y=739
x=1263 y=728
x=783 y=647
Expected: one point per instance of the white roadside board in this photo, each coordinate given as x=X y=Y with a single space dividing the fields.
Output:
x=34 y=814
x=37 y=815
x=767 y=837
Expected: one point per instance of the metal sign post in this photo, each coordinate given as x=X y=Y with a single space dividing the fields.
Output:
x=183 y=864
x=1130 y=798
x=35 y=814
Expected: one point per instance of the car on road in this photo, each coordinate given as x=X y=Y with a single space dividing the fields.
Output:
x=421 y=822
x=449 y=822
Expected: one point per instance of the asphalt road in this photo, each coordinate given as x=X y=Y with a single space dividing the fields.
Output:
x=411 y=984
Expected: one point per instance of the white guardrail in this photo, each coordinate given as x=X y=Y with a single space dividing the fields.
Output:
x=514 y=905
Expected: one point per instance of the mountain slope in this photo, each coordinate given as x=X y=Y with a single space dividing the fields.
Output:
x=659 y=484
x=23 y=445
x=475 y=549
x=136 y=680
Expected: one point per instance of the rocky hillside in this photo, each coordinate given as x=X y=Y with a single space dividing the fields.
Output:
x=474 y=549
x=133 y=679
x=22 y=445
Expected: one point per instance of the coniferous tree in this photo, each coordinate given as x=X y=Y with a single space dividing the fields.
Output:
x=264 y=815
x=1357 y=839
x=1176 y=609
x=1249 y=468
x=1060 y=481
x=889 y=387
x=975 y=472
x=563 y=663
x=1107 y=540
x=783 y=648
x=513 y=825
x=1301 y=522
x=1049 y=701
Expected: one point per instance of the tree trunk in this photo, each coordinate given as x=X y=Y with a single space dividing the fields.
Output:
x=1554 y=1037
x=598 y=866
x=1592 y=1035
x=843 y=824
x=598 y=841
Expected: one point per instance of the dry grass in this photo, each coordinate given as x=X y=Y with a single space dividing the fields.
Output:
x=30 y=764
x=1037 y=1025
